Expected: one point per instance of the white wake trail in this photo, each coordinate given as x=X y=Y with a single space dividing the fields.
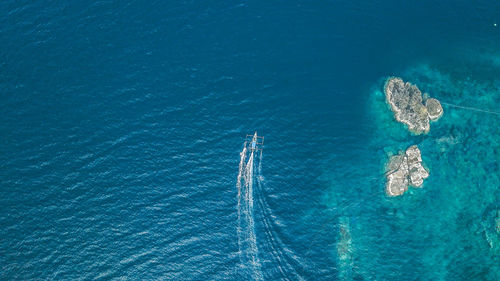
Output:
x=259 y=172
x=240 y=174
x=249 y=184
x=254 y=251
x=247 y=239
x=243 y=154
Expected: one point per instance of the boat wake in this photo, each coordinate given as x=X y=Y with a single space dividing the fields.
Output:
x=250 y=183
x=247 y=239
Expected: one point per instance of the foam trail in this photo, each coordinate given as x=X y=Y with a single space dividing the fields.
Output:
x=255 y=261
x=249 y=172
x=240 y=174
x=247 y=239
x=238 y=186
x=260 y=165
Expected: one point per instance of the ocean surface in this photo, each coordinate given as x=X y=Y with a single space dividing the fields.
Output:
x=122 y=128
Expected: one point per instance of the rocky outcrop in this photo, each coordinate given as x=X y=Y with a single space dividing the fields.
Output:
x=416 y=171
x=434 y=109
x=407 y=105
x=405 y=169
x=397 y=176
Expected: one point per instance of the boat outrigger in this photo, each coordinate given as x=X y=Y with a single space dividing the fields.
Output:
x=254 y=142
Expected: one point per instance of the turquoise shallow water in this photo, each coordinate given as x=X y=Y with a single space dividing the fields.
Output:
x=122 y=123
x=454 y=216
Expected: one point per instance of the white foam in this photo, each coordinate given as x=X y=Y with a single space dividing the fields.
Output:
x=247 y=239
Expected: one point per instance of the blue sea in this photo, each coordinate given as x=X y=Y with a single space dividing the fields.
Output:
x=122 y=127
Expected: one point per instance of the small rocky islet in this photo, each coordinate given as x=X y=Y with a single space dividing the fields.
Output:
x=409 y=107
x=405 y=169
x=406 y=102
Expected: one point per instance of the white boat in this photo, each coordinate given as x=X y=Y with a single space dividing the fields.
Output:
x=254 y=142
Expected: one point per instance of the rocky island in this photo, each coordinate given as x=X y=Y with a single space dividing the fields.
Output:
x=405 y=169
x=407 y=105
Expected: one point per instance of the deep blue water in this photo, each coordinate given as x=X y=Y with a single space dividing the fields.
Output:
x=121 y=125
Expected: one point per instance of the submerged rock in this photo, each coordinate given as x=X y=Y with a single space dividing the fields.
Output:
x=491 y=228
x=407 y=105
x=344 y=247
x=345 y=250
x=405 y=169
